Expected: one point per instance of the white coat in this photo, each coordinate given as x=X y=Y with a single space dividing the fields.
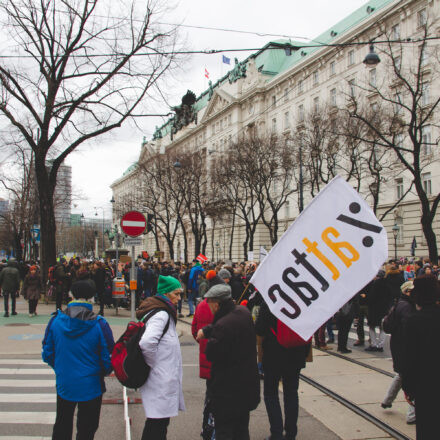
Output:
x=162 y=394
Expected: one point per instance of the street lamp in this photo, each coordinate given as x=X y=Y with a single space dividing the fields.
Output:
x=372 y=58
x=84 y=234
x=103 y=219
x=395 y=230
x=217 y=246
x=177 y=164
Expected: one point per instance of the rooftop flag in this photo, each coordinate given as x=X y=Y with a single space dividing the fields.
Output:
x=226 y=60
x=206 y=73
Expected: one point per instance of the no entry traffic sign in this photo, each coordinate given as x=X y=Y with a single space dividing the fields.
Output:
x=133 y=223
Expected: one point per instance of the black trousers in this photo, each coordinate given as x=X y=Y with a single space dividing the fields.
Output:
x=344 y=325
x=6 y=296
x=232 y=428
x=59 y=296
x=361 y=319
x=33 y=305
x=155 y=429
x=87 y=419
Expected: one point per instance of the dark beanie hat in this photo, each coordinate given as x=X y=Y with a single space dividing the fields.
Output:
x=426 y=290
x=83 y=289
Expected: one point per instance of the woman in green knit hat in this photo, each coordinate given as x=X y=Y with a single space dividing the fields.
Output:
x=162 y=395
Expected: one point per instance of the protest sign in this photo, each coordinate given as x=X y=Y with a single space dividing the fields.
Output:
x=332 y=250
x=263 y=253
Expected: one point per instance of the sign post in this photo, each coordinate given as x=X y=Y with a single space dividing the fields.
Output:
x=133 y=223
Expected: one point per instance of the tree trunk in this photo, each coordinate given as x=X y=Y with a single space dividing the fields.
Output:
x=47 y=217
x=231 y=240
x=426 y=222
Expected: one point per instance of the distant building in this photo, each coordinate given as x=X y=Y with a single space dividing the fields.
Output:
x=4 y=206
x=63 y=195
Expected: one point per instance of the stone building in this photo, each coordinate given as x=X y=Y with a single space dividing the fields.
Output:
x=277 y=88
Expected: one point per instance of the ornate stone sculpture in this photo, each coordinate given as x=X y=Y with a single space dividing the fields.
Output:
x=239 y=71
x=184 y=113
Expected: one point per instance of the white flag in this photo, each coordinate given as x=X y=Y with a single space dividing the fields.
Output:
x=332 y=250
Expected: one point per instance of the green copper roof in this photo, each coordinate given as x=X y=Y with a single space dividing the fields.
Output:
x=130 y=168
x=335 y=31
x=272 y=59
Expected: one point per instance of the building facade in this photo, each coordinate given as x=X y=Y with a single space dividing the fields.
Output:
x=279 y=89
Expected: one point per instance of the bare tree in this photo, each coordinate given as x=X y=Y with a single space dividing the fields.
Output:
x=82 y=69
x=19 y=183
x=407 y=114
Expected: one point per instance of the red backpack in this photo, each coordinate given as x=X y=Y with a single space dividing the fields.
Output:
x=127 y=359
x=287 y=337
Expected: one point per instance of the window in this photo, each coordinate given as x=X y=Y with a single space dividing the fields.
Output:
x=333 y=97
x=274 y=101
x=301 y=113
x=351 y=57
x=286 y=95
x=287 y=210
x=422 y=18
x=352 y=88
x=332 y=68
x=399 y=188
x=426 y=140
x=395 y=32
x=425 y=94
x=229 y=119
x=274 y=125
x=300 y=86
x=315 y=78
x=316 y=104
x=372 y=76
x=398 y=103
x=426 y=182
x=286 y=121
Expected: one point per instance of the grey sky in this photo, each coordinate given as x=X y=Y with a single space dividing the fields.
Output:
x=96 y=165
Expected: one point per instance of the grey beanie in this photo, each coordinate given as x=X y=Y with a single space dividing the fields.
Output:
x=224 y=274
x=219 y=292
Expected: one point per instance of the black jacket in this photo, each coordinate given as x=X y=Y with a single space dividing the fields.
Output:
x=402 y=312
x=275 y=356
x=420 y=368
x=378 y=302
x=99 y=278
x=234 y=385
x=237 y=286
x=393 y=280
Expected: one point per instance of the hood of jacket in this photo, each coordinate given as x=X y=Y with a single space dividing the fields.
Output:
x=78 y=319
x=152 y=303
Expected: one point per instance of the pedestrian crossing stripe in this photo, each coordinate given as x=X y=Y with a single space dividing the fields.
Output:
x=22 y=362
x=33 y=371
x=28 y=398
x=23 y=437
x=25 y=383
x=28 y=417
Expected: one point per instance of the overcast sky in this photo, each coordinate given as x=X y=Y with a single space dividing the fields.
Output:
x=97 y=164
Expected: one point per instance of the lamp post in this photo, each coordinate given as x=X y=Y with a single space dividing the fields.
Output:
x=102 y=230
x=116 y=231
x=84 y=234
x=395 y=230
x=217 y=247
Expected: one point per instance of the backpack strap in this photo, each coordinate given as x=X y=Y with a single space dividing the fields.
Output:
x=151 y=314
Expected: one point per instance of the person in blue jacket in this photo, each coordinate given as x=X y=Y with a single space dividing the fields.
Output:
x=77 y=345
x=193 y=287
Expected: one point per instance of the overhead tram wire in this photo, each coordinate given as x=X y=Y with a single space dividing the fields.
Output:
x=250 y=49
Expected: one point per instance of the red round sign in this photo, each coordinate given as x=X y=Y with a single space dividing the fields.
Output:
x=133 y=223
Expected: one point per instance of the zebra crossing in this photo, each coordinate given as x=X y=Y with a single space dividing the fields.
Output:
x=27 y=399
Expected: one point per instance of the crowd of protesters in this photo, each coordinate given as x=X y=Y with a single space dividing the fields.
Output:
x=228 y=315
